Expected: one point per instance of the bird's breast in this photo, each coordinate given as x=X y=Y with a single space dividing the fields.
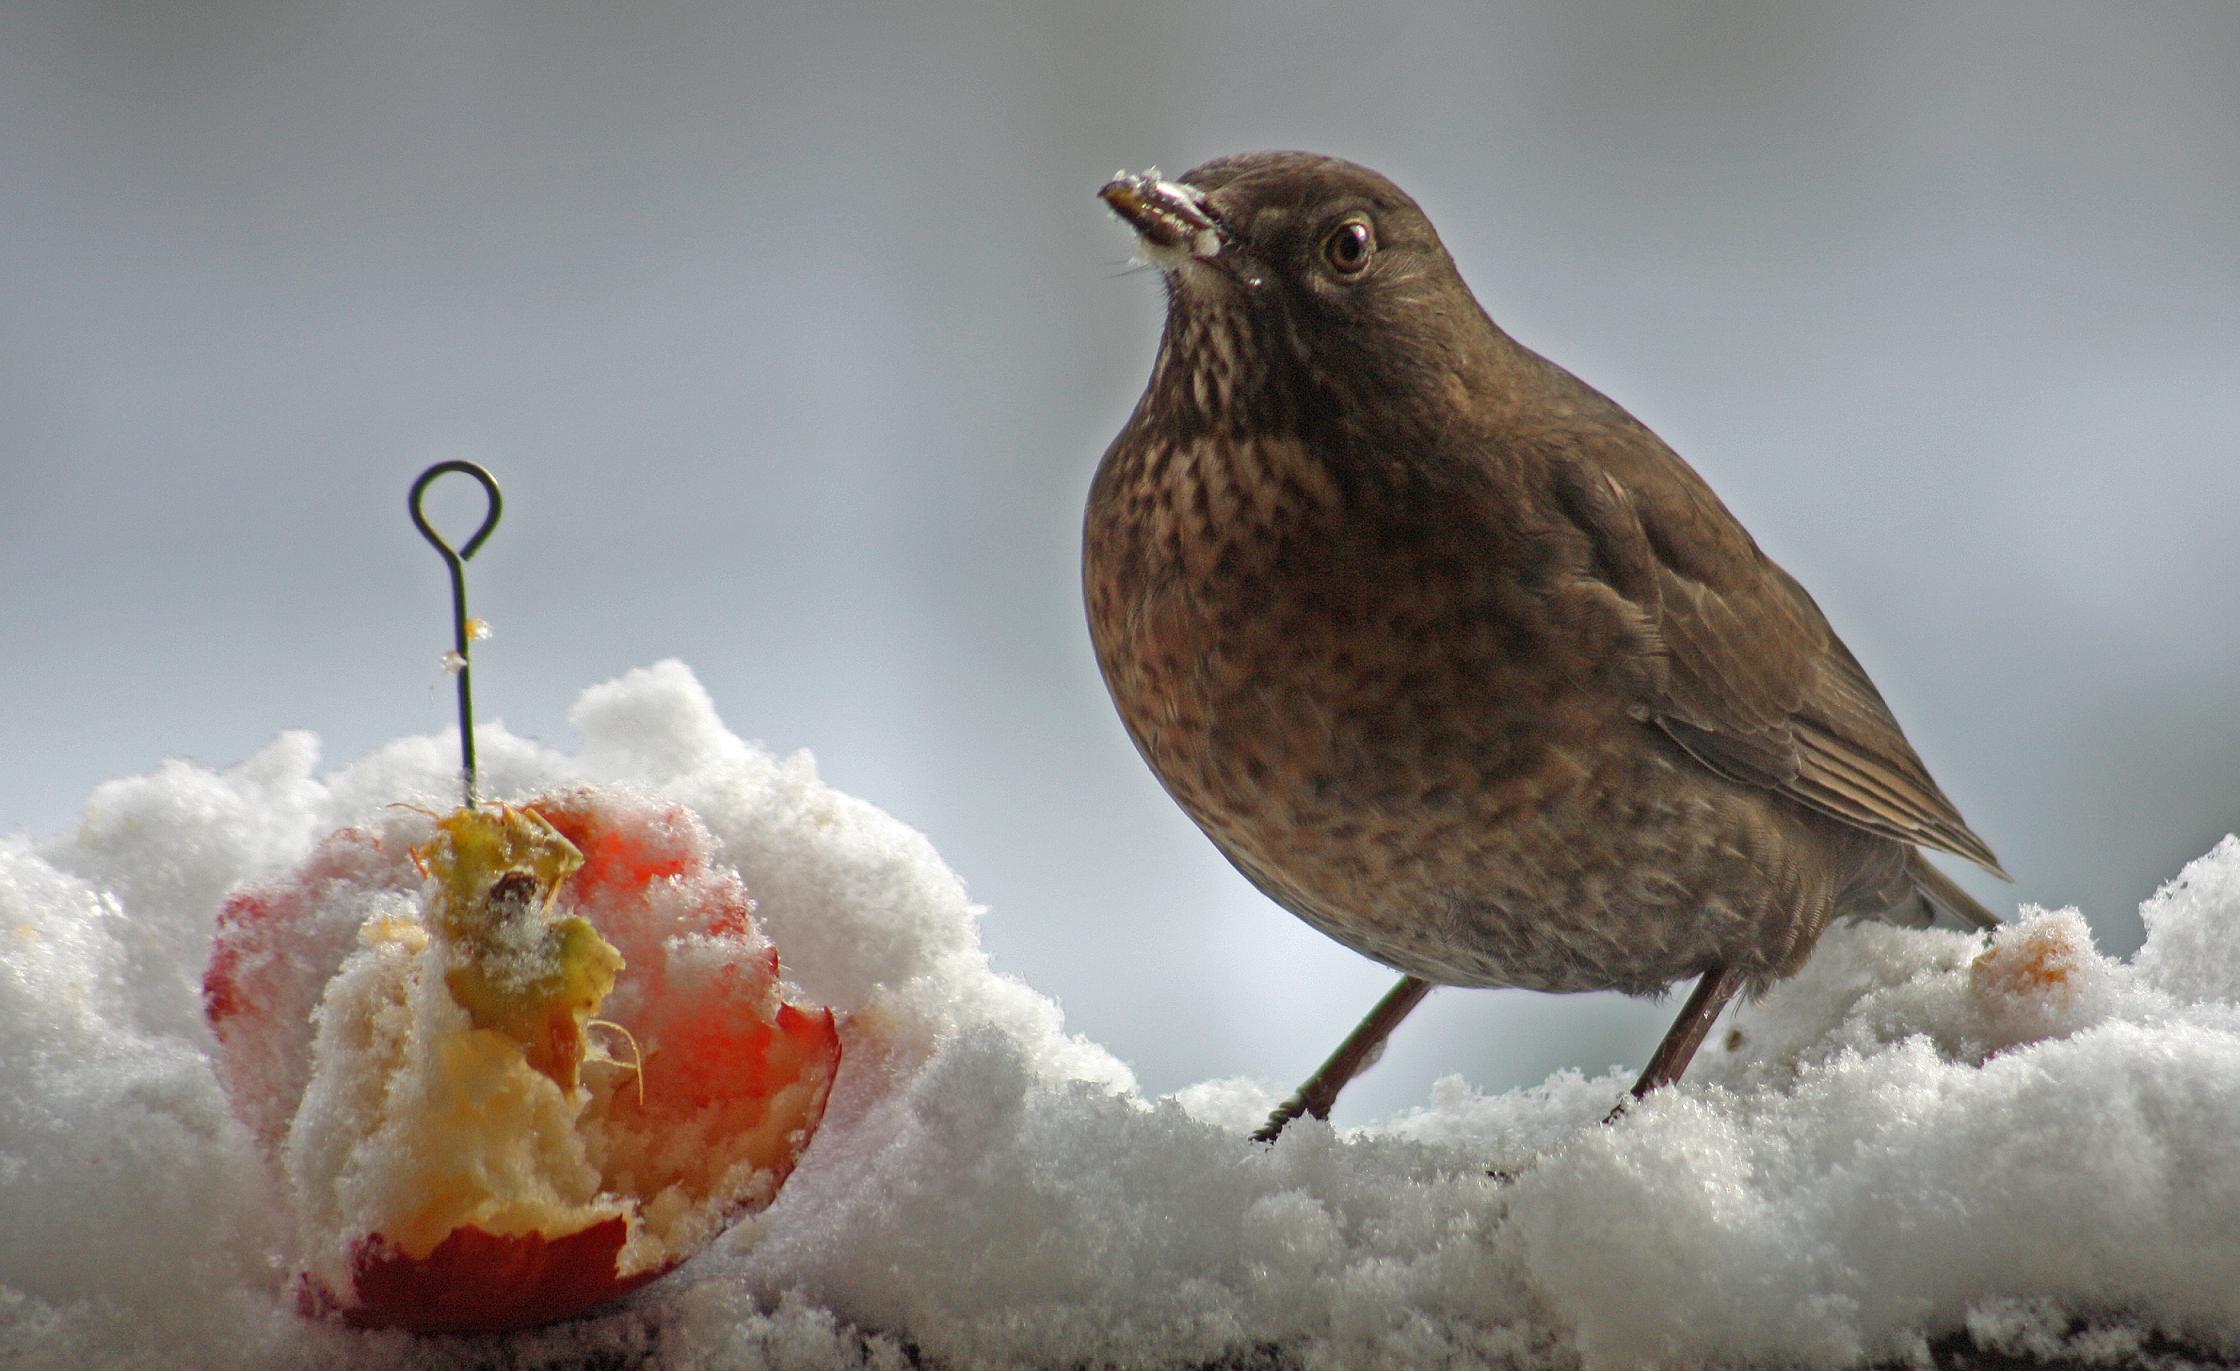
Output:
x=1288 y=646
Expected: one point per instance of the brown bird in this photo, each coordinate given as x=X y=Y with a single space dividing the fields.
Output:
x=1450 y=655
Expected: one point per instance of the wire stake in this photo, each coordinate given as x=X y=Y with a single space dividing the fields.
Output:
x=461 y=626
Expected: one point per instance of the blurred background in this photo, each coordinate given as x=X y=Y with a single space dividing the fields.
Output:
x=794 y=334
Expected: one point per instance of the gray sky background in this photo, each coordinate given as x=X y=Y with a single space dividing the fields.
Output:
x=794 y=334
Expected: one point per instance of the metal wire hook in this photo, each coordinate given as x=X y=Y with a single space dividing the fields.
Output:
x=455 y=559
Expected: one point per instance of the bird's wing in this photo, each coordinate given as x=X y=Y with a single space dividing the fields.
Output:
x=1751 y=679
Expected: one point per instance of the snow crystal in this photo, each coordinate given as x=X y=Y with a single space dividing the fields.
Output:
x=2010 y=1142
x=2188 y=953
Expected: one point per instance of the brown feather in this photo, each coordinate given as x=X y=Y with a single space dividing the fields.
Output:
x=1755 y=685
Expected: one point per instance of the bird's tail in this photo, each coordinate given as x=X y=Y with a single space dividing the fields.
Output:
x=1943 y=895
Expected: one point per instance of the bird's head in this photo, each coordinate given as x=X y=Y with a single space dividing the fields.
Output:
x=1292 y=274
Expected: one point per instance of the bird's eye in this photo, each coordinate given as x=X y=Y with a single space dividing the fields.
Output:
x=1348 y=246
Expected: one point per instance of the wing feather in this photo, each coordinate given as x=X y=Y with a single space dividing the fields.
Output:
x=1752 y=682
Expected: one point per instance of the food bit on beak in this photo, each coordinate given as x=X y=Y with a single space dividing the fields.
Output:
x=1170 y=220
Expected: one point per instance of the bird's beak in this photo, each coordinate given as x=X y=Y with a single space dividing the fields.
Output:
x=1171 y=221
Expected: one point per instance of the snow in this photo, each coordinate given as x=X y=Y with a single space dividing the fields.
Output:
x=2014 y=1142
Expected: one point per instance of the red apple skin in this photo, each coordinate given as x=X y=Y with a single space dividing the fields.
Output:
x=474 y=1282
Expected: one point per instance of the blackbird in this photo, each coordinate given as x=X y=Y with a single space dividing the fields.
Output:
x=1451 y=656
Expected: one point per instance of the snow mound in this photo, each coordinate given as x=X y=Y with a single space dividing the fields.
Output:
x=2010 y=1141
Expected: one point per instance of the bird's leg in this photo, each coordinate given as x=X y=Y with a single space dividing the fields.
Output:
x=1716 y=987
x=1353 y=1056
